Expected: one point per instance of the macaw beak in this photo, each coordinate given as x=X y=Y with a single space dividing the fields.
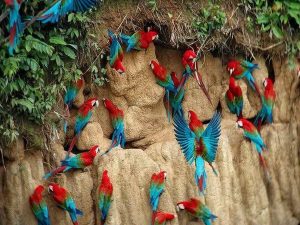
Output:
x=179 y=207
x=97 y=103
x=194 y=60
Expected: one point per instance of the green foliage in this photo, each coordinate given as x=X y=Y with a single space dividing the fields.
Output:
x=153 y=5
x=43 y=64
x=209 y=19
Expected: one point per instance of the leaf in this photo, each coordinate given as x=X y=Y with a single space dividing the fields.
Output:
x=277 y=31
x=293 y=5
x=57 y=40
x=69 y=52
x=25 y=103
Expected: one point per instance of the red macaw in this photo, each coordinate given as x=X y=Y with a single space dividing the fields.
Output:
x=139 y=40
x=164 y=80
x=39 y=206
x=242 y=69
x=157 y=187
x=234 y=98
x=70 y=96
x=161 y=218
x=197 y=209
x=116 y=53
x=198 y=144
x=16 y=26
x=268 y=100
x=105 y=192
x=64 y=200
x=252 y=133
x=189 y=62
x=117 y=119
x=79 y=161
x=83 y=116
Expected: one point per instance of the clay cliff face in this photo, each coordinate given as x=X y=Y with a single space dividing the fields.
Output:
x=239 y=195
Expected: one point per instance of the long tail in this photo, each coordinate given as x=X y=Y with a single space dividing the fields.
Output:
x=113 y=144
x=16 y=29
x=54 y=172
x=182 y=81
x=252 y=83
x=74 y=140
x=264 y=166
x=201 y=85
x=214 y=170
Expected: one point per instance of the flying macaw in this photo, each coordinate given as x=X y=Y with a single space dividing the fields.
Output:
x=63 y=7
x=69 y=98
x=105 y=192
x=116 y=53
x=242 y=69
x=161 y=218
x=268 y=100
x=234 y=98
x=164 y=80
x=117 y=119
x=189 y=62
x=82 y=118
x=157 y=187
x=139 y=40
x=198 y=144
x=39 y=206
x=79 y=161
x=16 y=26
x=252 y=133
x=64 y=201
x=197 y=209
x=176 y=98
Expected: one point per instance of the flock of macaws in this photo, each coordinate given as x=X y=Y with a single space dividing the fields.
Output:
x=57 y=10
x=198 y=144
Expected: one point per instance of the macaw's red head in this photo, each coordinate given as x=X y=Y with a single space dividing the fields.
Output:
x=268 y=83
x=118 y=66
x=190 y=206
x=151 y=36
x=94 y=150
x=189 y=58
x=175 y=79
x=53 y=188
x=234 y=67
x=92 y=102
x=161 y=217
x=39 y=189
x=245 y=124
x=80 y=83
x=194 y=122
x=158 y=70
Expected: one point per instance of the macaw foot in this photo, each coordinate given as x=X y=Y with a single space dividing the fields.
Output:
x=85 y=169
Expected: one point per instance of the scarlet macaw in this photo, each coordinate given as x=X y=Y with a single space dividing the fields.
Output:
x=234 y=98
x=157 y=187
x=116 y=53
x=105 y=192
x=161 y=218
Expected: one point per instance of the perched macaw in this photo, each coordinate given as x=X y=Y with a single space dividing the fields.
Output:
x=164 y=80
x=252 y=133
x=39 y=206
x=161 y=218
x=139 y=40
x=176 y=98
x=157 y=187
x=197 y=209
x=234 y=98
x=117 y=120
x=243 y=69
x=69 y=98
x=79 y=161
x=82 y=118
x=63 y=7
x=105 y=192
x=16 y=26
x=189 y=62
x=198 y=144
x=64 y=201
x=268 y=100
x=116 y=53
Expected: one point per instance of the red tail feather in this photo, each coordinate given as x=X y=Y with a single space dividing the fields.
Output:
x=264 y=166
x=72 y=144
x=259 y=125
x=201 y=85
x=75 y=223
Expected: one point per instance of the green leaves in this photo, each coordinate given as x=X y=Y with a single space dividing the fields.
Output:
x=277 y=31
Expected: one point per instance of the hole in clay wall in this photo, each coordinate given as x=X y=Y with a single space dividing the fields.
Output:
x=270 y=68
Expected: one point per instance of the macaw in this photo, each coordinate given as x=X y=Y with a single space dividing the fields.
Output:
x=16 y=26
x=197 y=209
x=39 y=206
x=82 y=118
x=139 y=40
x=63 y=7
x=105 y=192
x=242 y=69
x=117 y=119
x=161 y=218
x=252 y=133
x=164 y=80
x=64 y=201
x=176 y=98
x=234 y=98
x=268 y=100
x=189 y=62
x=157 y=187
x=116 y=53
x=198 y=144
x=79 y=161
x=70 y=96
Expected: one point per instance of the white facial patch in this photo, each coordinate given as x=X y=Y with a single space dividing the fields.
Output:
x=231 y=71
x=240 y=123
x=151 y=65
x=50 y=188
x=165 y=175
x=180 y=207
x=97 y=149
x=265 y=83
x=97 y=103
